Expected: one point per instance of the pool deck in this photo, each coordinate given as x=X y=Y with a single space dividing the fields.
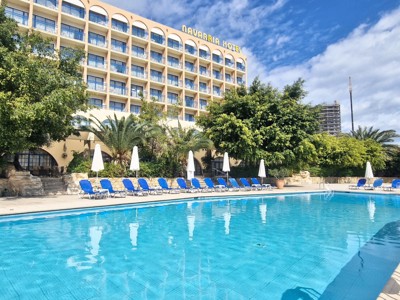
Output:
x=19 y=205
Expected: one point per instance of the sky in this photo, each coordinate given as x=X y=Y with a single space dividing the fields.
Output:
x=322 y=42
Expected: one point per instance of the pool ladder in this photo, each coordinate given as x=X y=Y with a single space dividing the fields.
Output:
x=325 y=186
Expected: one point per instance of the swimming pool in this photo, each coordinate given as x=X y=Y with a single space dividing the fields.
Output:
x=275 y=247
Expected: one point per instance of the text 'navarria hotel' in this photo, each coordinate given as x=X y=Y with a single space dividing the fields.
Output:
x=210 y=38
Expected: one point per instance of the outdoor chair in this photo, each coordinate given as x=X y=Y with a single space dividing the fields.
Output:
x=222 y=182
x=144 y=186
x=183 y=186
x=247 y=185
x=197 y=186
x=130 y=188
x=257 y=184
x=211 y=187
x=165 y=187
x=235 y=185
x=87 y=189
x=107 y=185
x=376 y=185
x=393 y=186
x=361 y=183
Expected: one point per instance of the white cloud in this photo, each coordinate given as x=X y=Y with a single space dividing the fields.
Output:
x=371 y=56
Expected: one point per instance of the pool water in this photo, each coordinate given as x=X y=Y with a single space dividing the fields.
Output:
x=299 y=246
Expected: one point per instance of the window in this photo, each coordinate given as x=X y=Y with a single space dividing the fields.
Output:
x=48 y=3
x=240 y=66
x=173 y=98
x=67 y=52
x=118 y=45
x=156 y=94
x=203 y=70
x=44 y=24
x=139 y=32
x=95 y=83
x=189 y=66
x=96 y=61
x=135 y=109
x=203 y=87
x=97 y=39
x=73 y=10
x=228 y=77
x=117 y=87
x=118 y=66
x=119 y=25
x=72 y=32
x=216 y=90
x=190 y=49
x=203 y=54
x=239 y=80
x=174 y=44
x=189 y=101
x=203 y=104
x=189 y=83
x=117 y=106
x=158 y=38
x=18 y=15
x=216 y=58
x=189 y=118
x=138 y=51
x=217 y=74
x=138 y=71
x=97 y=18
x=156 y=56
x=173 y=62
x=228 y=62
x=156 y=75
x=173 y=80
x=96 y=102
x=136 y=91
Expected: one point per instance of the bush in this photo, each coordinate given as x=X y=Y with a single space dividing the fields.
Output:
x=79 y=164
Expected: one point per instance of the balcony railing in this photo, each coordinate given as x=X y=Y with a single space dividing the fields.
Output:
x=175 y=65
x=118 y=90
x=119 y=49
x=139 y=54
x=98 y=43
x=191 y=103
x=158 y=98
x=138 y=94
x=191 y=69
x=191 y=86
x=157 y=78
x=73 y=35
x=175 y=82
x=48 y=4
x=174 y=100
x=119 y=69
x=97 y=65
x=139 y=74
x=97 y=87
x=42 y=26
x=204 y=90
x=160 y=60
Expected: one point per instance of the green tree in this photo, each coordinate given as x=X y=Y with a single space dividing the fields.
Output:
x=180 y=142
x=119 y=135
x=40 y=90
x=261 y=123
x=383 y=137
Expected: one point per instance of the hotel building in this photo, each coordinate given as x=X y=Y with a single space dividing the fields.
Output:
x=329 y=118
x=128 y=56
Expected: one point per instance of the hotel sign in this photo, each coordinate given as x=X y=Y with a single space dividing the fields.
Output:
x=209 y=38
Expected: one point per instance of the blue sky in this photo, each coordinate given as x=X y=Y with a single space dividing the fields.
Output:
x=323 y=42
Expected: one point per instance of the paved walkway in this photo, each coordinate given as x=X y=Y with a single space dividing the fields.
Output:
x=18 y=205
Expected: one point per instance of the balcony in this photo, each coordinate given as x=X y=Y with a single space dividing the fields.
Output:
x=158 y=98
x=97 y=65
x=138 y=94
x=119 y=49
x=241 y=68
x=177 y=83
x=191 y=86
x=173 y=100
x=175 y=65
x=118 y=69
x=139 y=74
x=160 y=79
x=48 y=3
x=159 y=60
x=190 y=103
x=204 y=90
x=73 y=35
x=191 y=69
x=45 y=27
x=142 y=55
x=118 y=91
x=97 y=87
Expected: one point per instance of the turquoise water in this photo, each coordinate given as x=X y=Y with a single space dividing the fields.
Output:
x=304 y=246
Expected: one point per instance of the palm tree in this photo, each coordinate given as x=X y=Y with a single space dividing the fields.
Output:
x=182 y=140
x=384 y=137
x=119 y=135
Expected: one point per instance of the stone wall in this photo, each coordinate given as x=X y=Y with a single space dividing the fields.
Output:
x=24 y=184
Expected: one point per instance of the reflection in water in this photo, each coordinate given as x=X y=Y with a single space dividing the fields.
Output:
x=227 y=219
x=133 y=233
x=95 y=237
x=371 y=209
x=263 y=212
x=190 y=220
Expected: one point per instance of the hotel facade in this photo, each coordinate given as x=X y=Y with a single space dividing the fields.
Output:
x=129 y=57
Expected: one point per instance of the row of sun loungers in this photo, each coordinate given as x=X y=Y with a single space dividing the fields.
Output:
x=377 y=184
x=143 y=189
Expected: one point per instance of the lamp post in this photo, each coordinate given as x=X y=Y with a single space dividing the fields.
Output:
x=351 y=104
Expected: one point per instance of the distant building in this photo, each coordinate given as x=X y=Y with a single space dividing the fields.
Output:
x=329 y=118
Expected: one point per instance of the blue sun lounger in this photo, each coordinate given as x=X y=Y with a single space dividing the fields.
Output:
x=211 y=187
x=144 y=186
x=130 y=188
x=235 y=185
x=107 y=185
x=197 y=186
x=361 y=183
x=222 y=182
x=393 y=186
x=165 y=187
x=247 y=185
x=87 y=189
x=183 y=186
x=263 y=186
